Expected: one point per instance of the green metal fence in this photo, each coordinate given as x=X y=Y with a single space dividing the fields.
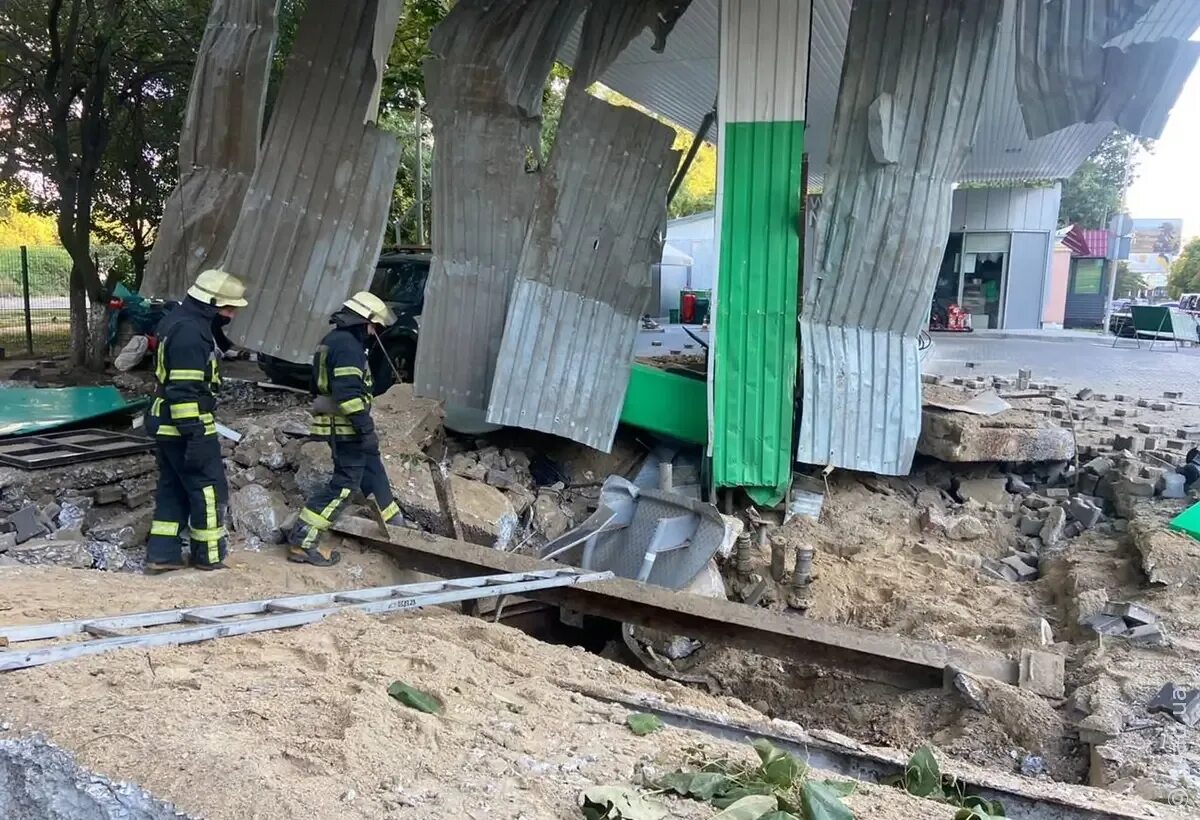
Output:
x=34 y=301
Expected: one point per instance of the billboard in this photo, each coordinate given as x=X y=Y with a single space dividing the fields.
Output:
x=1157 y=236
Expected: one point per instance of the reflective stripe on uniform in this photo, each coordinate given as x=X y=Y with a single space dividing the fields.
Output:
x=214 y=534
x=323 y=520
x=211 y=525
x=170 y=529
x=390 y=511
x=186 y=375
x=347 y=371
x=185 y=410
x=160 y=363
x=355 y=405
x=322 y=371
x=167 y=430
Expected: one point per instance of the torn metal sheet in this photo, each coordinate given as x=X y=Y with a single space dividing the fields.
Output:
x=218 y=146
x=882 y=228
x=484 y=85
x=37 y=409
x=648 y=535
x=313 y=218
x=585 y=274
x=1067 y=73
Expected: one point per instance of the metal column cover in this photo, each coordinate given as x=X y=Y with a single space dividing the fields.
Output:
x=915 y=76
x=763 y=80
x=312 y=221
x=218 y=146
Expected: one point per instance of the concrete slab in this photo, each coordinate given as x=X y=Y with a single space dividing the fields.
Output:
x=1011 y=436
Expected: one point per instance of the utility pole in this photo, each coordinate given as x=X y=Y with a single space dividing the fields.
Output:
x=420 y=121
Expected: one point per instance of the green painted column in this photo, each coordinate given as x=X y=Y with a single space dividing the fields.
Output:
x=763 y=83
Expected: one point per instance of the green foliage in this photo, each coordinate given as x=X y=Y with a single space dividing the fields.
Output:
x=1128 y=282
x=49 y=271
x=619 y=803
x=1095 y=191
x=18 y=224
x=775 y=787
x=923 y=777
x=1185 y=271
x=643 y=724
x=415 y=698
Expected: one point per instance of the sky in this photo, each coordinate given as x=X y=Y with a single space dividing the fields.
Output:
x=1168 y=180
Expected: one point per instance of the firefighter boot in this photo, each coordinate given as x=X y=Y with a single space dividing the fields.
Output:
x=304 y=547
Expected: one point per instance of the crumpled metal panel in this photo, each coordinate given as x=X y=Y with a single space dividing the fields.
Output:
x=484 y=84
x=584 y=276
x=1168 y=20
x=1067 y=73
x=882 y=228
x=312 y=220
x=218 y=146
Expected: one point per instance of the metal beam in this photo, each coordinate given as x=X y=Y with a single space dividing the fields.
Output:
x=701 y=134
x=875 y=656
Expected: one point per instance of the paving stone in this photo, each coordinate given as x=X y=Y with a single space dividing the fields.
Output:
x=1172 y=394
x=1120 y=397
x=1024 y=571
x=1122 y=442
x=1146 y=635
x=1042 y=673
x=1136 y=487
x=1085 y=394
x=27 y=524
x=109 y=494
x=1029 y=524
x=1084 y=513
x=985 y=490
x=1017 y=485
x=1134 y=614
x=1143 y=402
x=1106 y=624
x=1057 y=492
x=1149 y=443
x=1177 y=701
x=1160 y=406
x=930 y=378
x=1037 y=502
x=1099 y=466
x=1142 y=427
x=1052 y=528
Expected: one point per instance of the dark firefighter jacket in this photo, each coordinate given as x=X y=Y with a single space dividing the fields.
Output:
x=187 y=373
x=340 y=372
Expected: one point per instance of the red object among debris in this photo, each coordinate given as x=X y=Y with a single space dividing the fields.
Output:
x=953 y=321
x=687 y=308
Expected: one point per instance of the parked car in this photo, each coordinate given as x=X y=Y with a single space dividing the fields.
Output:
x=399 y=280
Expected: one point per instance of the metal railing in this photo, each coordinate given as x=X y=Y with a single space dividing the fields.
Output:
x=35 y=314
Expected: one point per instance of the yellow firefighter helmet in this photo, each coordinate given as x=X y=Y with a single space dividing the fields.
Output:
x=216 y=287
x=372 y=308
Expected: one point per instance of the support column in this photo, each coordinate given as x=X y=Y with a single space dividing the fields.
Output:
x=763 y=82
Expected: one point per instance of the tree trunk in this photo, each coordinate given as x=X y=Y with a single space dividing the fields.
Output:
x=79 y=319
x=138 y=254
x=97 y=343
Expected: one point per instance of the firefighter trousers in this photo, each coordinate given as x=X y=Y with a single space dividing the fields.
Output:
x=354 y=468
x=190 y=497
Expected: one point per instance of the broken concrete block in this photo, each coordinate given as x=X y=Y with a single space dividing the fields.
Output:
x=1012 y=436
x=1149 y=428
x=548 y=516
x=1024 y=571
x=1135 y=487
x=1058 y=493
x=502 y=479
x=1121 y=397
x=1106 y=624
x=1084 y=512
x=1121 y=442
x=64 y=553
x=985 y=490
x=1146 y=635
x=1029 y=524
x=314 y=467
x=416 y=494
x=1042 y=673
x=1134 y=614
x=1160 y=406
x=486 y=515
x=1149 y=443
x=255 y=510
x=965 y=528
x=998 y=570
x=1072 y=529
x=1178 y=702
x=8 y=540
x=1052 y=528
x=110 y=494
x=27 y=523
x=1037 y=502
x=1085 y=394
x=930 y=378
x=1017 y=485
x=1143 y=402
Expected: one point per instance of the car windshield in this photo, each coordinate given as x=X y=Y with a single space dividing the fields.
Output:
x=401 y=282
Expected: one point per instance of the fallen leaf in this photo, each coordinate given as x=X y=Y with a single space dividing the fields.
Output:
x=641 y=723
x=415 y=698
x=619 y=803
x=749 y=808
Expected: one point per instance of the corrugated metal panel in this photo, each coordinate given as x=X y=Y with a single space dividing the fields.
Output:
x=882 y=228
x=1169 y=19
x=312 y=220
x=680 y=84
x=1005 y=209
x=218 y=146
x=761 y=111
x=1065 y=74
x=584 y=275
x=484 y=85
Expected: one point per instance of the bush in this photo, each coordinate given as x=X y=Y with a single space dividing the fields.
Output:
x=49 y=271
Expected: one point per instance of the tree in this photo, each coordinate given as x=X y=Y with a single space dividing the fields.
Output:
x=1129 y=283
x=18 y=224
x=75 y=75
x=1094 y=193
x=1185 y=271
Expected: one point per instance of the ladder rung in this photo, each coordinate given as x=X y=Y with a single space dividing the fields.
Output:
x=195 y=618
x=99 y=631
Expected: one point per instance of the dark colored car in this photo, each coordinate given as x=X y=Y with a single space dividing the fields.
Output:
x=399 y=280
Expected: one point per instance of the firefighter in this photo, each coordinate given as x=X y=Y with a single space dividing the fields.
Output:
x=192 y=491
x=341 y=381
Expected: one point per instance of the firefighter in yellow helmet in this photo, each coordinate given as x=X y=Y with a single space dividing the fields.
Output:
x=341 y=381
x=192 y=491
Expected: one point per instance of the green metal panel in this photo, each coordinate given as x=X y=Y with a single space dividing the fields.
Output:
x=758 y=279
x=37 y=409
x=666 y=403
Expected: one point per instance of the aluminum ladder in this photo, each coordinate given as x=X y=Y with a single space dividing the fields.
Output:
x=204 y=623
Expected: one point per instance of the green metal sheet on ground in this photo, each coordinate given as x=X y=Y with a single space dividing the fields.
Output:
x=1188 y=522
x=759 y=273
x=666 y=403
x=26 y=410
